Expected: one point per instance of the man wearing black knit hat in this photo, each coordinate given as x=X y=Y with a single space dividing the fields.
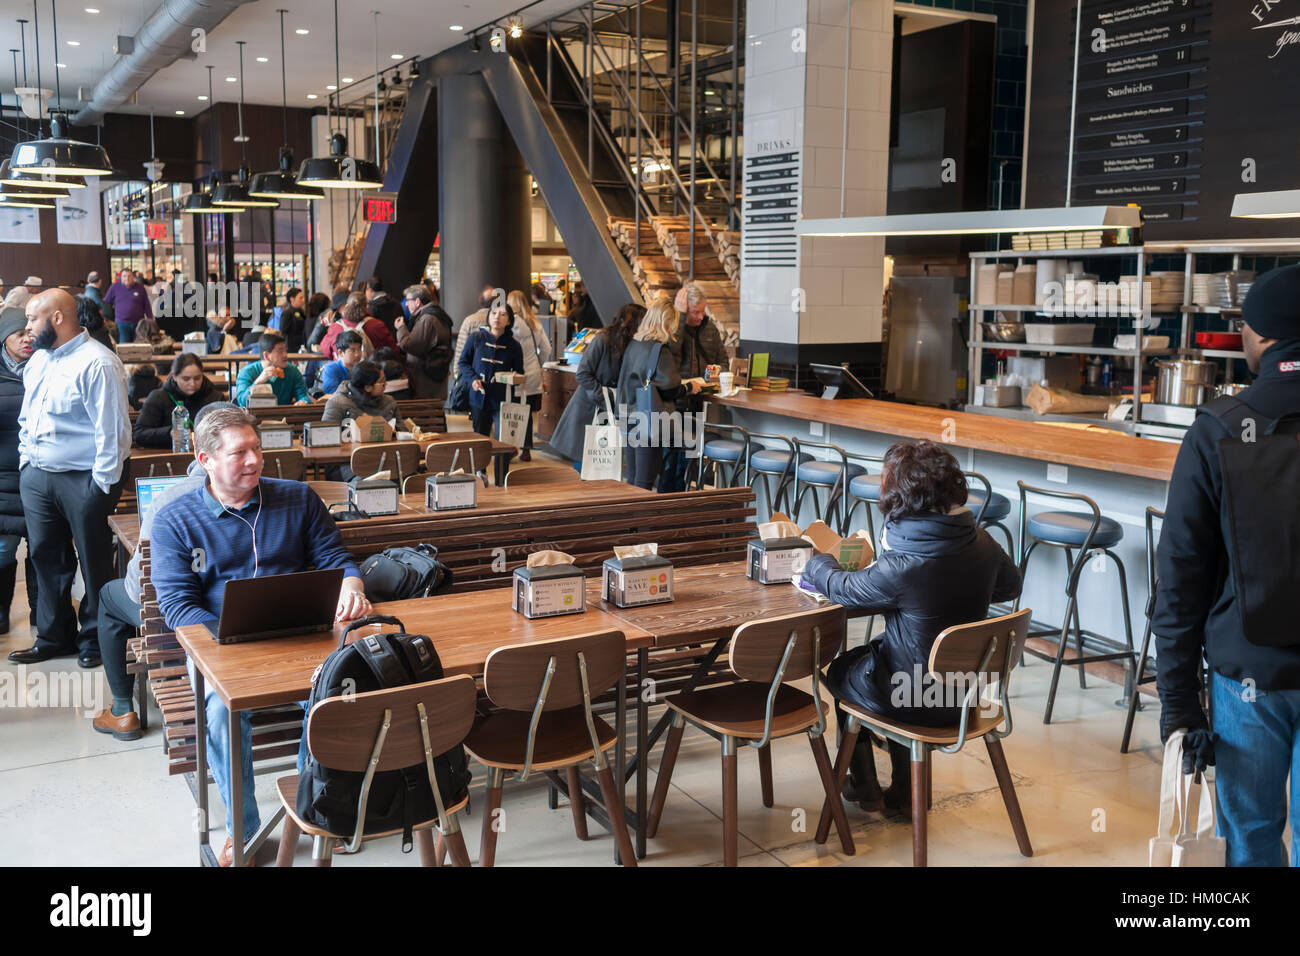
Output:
x=1228 y=573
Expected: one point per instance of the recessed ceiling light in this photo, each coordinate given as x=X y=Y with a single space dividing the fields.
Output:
x=231 y=79
x=180 y=112
x=202 y=97
x=457 y=27
x=311 y=96
x=74 y=43
x=261 y=59
x=347 y=79
x=301 y=32
x=331 y=87
x=61 y=66
x=395 y=56
x=91 y=10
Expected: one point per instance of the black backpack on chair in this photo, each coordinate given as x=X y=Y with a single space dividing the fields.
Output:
x=398 y=799
x=398 y=574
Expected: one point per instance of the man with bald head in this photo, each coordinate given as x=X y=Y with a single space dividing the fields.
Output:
x=73 y=440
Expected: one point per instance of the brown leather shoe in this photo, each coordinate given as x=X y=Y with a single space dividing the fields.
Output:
x=227 y=855
x=126 y=727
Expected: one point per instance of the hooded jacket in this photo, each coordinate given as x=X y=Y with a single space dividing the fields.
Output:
x=484 y=356
x=426 y=339
x=348 y=402
x=933 y=571
x=153 y=426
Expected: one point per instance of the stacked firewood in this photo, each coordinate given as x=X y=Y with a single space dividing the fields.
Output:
x=727 y=245
x=651 y=268
x=344 y=260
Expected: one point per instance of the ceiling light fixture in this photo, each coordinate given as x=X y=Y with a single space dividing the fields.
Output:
x=456 y=26
x=199 y=202
x=180 y=112
x=262 y=59
x=282 y=184
x=1282 y=204
x=395 y=56
x=58 y=154
x=16 y=184
x=74 y=43
x=15 y=201
x=338 y=170
x=232 y=79
x=92 y=9
x=236 y=193
x=301 y=32
x=312 y=96
x=516 y=29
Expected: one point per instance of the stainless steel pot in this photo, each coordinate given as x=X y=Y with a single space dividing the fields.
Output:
x=1230 y=388
x=1187 y=382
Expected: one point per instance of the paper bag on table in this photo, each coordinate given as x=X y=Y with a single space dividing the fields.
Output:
x=546 y=559
x=851 y=554
x=780 y=526
x=367 y=429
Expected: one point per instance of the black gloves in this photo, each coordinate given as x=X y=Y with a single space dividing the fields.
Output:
x=1198 y=750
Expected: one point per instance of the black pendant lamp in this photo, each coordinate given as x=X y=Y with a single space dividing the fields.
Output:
x=13 y=184
x=282 y=184
x=57 y=154
x=19 y=201
x=199 y=202
x=338 y=170
x=236 y=193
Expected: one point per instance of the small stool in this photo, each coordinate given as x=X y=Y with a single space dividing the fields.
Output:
x=1152 y=582
x=1092 y=535
x=773 y=463
x=731 y=451
x=834 y=476
x=864 y=489
x=990 y=507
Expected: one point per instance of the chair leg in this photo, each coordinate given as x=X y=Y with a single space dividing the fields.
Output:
x=833 y=801
x=999 y=761
x=1056 y=664
x=617 y=818
x=920 y=771
x=429 y=854
x=322 y=851
x=439 y=849
x=765 y=774
x=671 y=746
x=573 y=777
x=289 y=834
x=1133 y=692
x=487 y=851
x=1128 y=622
x=1078 y=628
x=455 y=844
x=848 y=741
x=730 y=811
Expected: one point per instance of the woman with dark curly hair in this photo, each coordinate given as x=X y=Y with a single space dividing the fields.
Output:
x=936 y=568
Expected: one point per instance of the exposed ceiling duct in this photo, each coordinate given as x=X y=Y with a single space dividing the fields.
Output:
x=164 y=38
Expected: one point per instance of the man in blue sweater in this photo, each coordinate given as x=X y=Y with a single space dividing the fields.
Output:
x=274 y=369
x=348 y=349
x=240 y=525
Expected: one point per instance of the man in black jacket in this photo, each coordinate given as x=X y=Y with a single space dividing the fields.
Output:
x=382 y=306
x=15 y=349
x=1255 y=679
x=426 y=339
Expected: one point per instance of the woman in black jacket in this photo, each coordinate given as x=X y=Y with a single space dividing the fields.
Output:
x=15 y=348
x=91 y=318
x=186 y=386
x=936 y=569
x=490 y=350
x=601 y=362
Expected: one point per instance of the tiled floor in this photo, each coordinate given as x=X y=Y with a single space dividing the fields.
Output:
x=70 y=796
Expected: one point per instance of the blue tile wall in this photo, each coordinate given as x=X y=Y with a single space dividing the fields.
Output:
x=1010 y=65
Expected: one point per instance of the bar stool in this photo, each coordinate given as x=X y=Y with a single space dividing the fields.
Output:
x=864 y=489
x=1092 y=535
x=814 y=474
x=773 y=464
x=731 y=452
x=1153 y=581
x=989 y=506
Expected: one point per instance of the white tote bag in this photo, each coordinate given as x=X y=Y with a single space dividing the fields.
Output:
x=1174 y=844
x=1161 y=849
x=512 y=420
x=602 y=447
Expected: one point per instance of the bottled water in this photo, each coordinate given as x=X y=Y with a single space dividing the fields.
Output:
x=181 y=426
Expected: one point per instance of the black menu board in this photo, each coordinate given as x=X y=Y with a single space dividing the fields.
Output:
x=1175 y=100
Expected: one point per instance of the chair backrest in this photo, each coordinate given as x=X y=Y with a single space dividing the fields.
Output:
x=542 y=474
x=287 y=463
x=438 y=456
x=156 y=466
x=957 y=657
x=402 y=458
x=513 y=675
x=341 y=731
x=976 y=481
x=758 y=647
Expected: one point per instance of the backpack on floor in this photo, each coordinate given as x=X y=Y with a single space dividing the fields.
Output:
x=398 y=799
x=399 y=574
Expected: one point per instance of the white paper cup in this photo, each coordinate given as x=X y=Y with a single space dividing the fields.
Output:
x=725 y=381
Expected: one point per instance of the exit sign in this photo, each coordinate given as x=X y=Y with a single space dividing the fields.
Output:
x=155 y=229
x=379 y=207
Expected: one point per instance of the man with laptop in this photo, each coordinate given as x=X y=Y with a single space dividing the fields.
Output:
x=238 y=525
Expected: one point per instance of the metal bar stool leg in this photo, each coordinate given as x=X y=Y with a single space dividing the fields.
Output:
x=1078 y=629
x=1133 y=675
x=1136 y=687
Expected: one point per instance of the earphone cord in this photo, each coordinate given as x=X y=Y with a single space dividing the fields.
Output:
x=252 y=527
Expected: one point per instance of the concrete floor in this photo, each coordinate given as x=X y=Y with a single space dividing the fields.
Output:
x=70 y=796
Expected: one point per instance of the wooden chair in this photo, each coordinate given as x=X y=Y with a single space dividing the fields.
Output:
x=542 y=474
x=966 y=658
x=544 y=690
x=401 y=457
x=385 y=730
x=287 y=463
x=475 y=455
x=155 y=466
x=760 y=707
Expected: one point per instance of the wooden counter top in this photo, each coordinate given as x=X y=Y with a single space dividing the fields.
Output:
x=1099 y=449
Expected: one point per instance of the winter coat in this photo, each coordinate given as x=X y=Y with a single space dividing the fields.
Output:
x=536 y=347
x=483 y=357
x=153 y=426
x=933 y=571
x=11 y=403
x=599 y=367
x=375 y=330
x=293 y=326
x=386 y=309
x=348 y=402
x=427 y=339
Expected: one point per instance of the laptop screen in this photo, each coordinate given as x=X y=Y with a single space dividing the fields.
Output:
x=148 y=489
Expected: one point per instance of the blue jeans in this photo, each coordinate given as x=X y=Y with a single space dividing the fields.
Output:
x=125 y=332
x=218 y=718
x=1258 y=747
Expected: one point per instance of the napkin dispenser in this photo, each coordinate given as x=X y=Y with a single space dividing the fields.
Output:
x=194 y=348
x=322 y=434
x=450 y=492
x=634 y=581
x=373 y=496
x=777 y=560
x=275 y=436
x=549 y=591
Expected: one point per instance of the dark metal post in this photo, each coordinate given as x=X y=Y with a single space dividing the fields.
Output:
x=695 y=23
x=733 y=214
x=640 y=169
x=311 y=244
x=590 y=59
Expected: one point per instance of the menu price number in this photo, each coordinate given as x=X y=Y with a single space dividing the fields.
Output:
x=379 y=207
